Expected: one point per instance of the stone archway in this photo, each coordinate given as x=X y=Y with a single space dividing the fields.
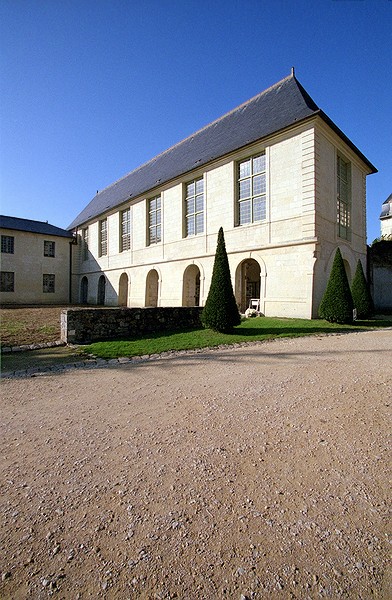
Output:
x=152 y=284
x=191 y=286
x=101 y=290
x=247 y=283
x=123 y=290
x=84 y=290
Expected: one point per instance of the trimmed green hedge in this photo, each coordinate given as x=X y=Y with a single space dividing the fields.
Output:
x=337 y=303
x=220 y=312
x=361 y=294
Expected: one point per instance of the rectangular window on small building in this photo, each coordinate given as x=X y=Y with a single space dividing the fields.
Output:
x=125 y=230
x=103 y=237
x=154 y=220
x=343 y=198
x=49 y=248
x=48 y=283
x=85 y=243
x=251 y=190
x=7 y=281
x=194 y=206
x=7 y=244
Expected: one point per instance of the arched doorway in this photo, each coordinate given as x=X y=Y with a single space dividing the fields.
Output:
x=152 y=282
x=247 y=283
x=191 y=286
x=123 y=290
x=84 y=290
x=101 y=290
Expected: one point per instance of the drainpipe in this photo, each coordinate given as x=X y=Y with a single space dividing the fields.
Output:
x=70 y=274
x=72 y=243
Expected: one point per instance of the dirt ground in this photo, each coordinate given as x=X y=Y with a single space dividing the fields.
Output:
x=255 y=472
x=29 y=324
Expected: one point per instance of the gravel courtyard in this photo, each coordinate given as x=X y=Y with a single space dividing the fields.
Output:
x=254 y=472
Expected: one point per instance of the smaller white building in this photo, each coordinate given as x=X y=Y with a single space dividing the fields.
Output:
x=36 y=260
x=386 y=218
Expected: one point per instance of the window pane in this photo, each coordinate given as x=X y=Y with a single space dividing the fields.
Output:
x=190 y=189
x=259 y=208
x=194 y=204
x=258 y=185
x=199 y=203
x=199 y=223
x=342 y=169
x=190 y=225
x=245 y=212
x=48 y=284
x=199 y=186
x=244 y=168
x=259 y=164
x=7 y=279
x=158 y=235
x=7 y=244
x=49 y=248
x=245 y=188
x=343 y=190
x=190 y=206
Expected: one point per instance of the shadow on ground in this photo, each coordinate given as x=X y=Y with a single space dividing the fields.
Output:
x=21 y=361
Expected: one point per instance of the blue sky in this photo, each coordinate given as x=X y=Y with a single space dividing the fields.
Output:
x=91 y=89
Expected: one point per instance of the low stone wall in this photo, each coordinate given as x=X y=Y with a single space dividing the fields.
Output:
x=85 y=325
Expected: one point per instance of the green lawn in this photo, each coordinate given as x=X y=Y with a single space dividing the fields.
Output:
x=256 y=329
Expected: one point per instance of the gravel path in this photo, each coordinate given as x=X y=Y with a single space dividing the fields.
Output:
x=256 y=472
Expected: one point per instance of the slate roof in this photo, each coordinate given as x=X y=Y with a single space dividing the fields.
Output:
x=32 y=226
x=275 y=109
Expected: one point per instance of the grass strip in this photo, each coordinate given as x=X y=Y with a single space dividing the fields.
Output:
x=250 y=330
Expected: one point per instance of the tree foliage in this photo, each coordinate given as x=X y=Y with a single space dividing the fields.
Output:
x=220 y=312
x=337 y=304
x=361 y=294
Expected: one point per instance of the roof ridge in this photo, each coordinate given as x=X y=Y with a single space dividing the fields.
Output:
x=211 y=124
x=25 y=219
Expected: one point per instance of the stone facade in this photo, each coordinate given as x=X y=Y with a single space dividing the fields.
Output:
x=284 y=260
x=81 y=326
x=40 y=266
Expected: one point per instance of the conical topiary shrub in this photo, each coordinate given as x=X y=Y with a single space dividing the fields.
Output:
x=361 y=294
x=337 y=303
x=220 y=312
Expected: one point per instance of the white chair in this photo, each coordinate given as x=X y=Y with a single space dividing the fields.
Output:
x=255 y=304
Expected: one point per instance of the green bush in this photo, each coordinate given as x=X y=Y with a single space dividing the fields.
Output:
x=361 y=294
x=337 y=303
x=220 y=312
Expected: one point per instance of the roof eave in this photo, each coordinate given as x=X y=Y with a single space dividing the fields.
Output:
x=347 y=140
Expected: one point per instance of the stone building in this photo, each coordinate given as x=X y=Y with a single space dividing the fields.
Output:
x=285 y=183
x=36 y=262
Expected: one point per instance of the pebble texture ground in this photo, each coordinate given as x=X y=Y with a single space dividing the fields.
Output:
x=258 y=472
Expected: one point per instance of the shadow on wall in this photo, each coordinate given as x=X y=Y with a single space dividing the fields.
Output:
x=95 y=289
x=380 y=275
